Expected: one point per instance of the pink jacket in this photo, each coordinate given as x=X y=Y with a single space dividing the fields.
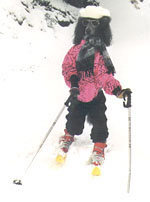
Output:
x=88 y=86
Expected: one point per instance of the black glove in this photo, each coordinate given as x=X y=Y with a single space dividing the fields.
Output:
x=124 y=93
x=74 y=91
x=74 y=81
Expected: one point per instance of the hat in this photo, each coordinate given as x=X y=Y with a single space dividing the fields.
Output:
x=95 y=12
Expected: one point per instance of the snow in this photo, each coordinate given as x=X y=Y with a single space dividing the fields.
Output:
x=33 y=92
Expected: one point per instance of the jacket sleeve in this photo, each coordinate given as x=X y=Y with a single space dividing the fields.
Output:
x=69 y=65
x=110 y=84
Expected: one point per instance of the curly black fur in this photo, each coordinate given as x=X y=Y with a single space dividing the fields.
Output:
x=103 y=31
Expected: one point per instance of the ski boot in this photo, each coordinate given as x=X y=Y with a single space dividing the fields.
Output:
x=64 y=145
x=98 y=157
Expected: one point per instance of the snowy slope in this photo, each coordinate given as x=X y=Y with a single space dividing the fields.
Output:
x=33 y=92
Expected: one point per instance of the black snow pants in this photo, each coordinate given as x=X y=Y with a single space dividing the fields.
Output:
x=95 y=111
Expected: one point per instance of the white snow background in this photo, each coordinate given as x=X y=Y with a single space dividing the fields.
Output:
x=32 y=92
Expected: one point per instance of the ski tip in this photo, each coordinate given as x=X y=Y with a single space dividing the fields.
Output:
x=60 y=159
x=96 y=171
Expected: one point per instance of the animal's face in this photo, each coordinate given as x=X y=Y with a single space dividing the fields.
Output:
x=91 y=26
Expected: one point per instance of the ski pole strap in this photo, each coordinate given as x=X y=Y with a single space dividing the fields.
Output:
x=127 y=99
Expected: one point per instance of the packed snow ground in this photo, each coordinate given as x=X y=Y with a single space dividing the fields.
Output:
x=33 y=92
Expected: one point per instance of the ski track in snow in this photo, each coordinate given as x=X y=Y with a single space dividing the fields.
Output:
x=32 y=94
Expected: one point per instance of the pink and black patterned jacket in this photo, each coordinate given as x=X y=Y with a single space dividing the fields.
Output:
x=88 y=86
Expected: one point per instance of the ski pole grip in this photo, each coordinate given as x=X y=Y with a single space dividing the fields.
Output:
x=127 y=100
x=68 y=100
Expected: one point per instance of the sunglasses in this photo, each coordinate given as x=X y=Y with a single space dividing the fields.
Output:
x=94 y=23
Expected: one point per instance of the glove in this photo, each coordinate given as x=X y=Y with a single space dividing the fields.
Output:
x=74 y=91
x=74 y=81
x=124 y=93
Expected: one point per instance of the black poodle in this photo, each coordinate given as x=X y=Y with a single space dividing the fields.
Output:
x=87 y=70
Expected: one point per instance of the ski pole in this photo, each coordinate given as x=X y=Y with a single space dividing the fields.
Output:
x=19 y=181
x=128 y=105
x=129 y=130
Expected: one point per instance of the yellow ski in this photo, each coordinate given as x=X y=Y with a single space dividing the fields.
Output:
x=96 y=171
x=60 y=159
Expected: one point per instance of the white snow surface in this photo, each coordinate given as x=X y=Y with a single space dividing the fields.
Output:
x=33 y=92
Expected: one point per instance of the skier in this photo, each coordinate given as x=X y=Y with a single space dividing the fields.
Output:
x=88 y=70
